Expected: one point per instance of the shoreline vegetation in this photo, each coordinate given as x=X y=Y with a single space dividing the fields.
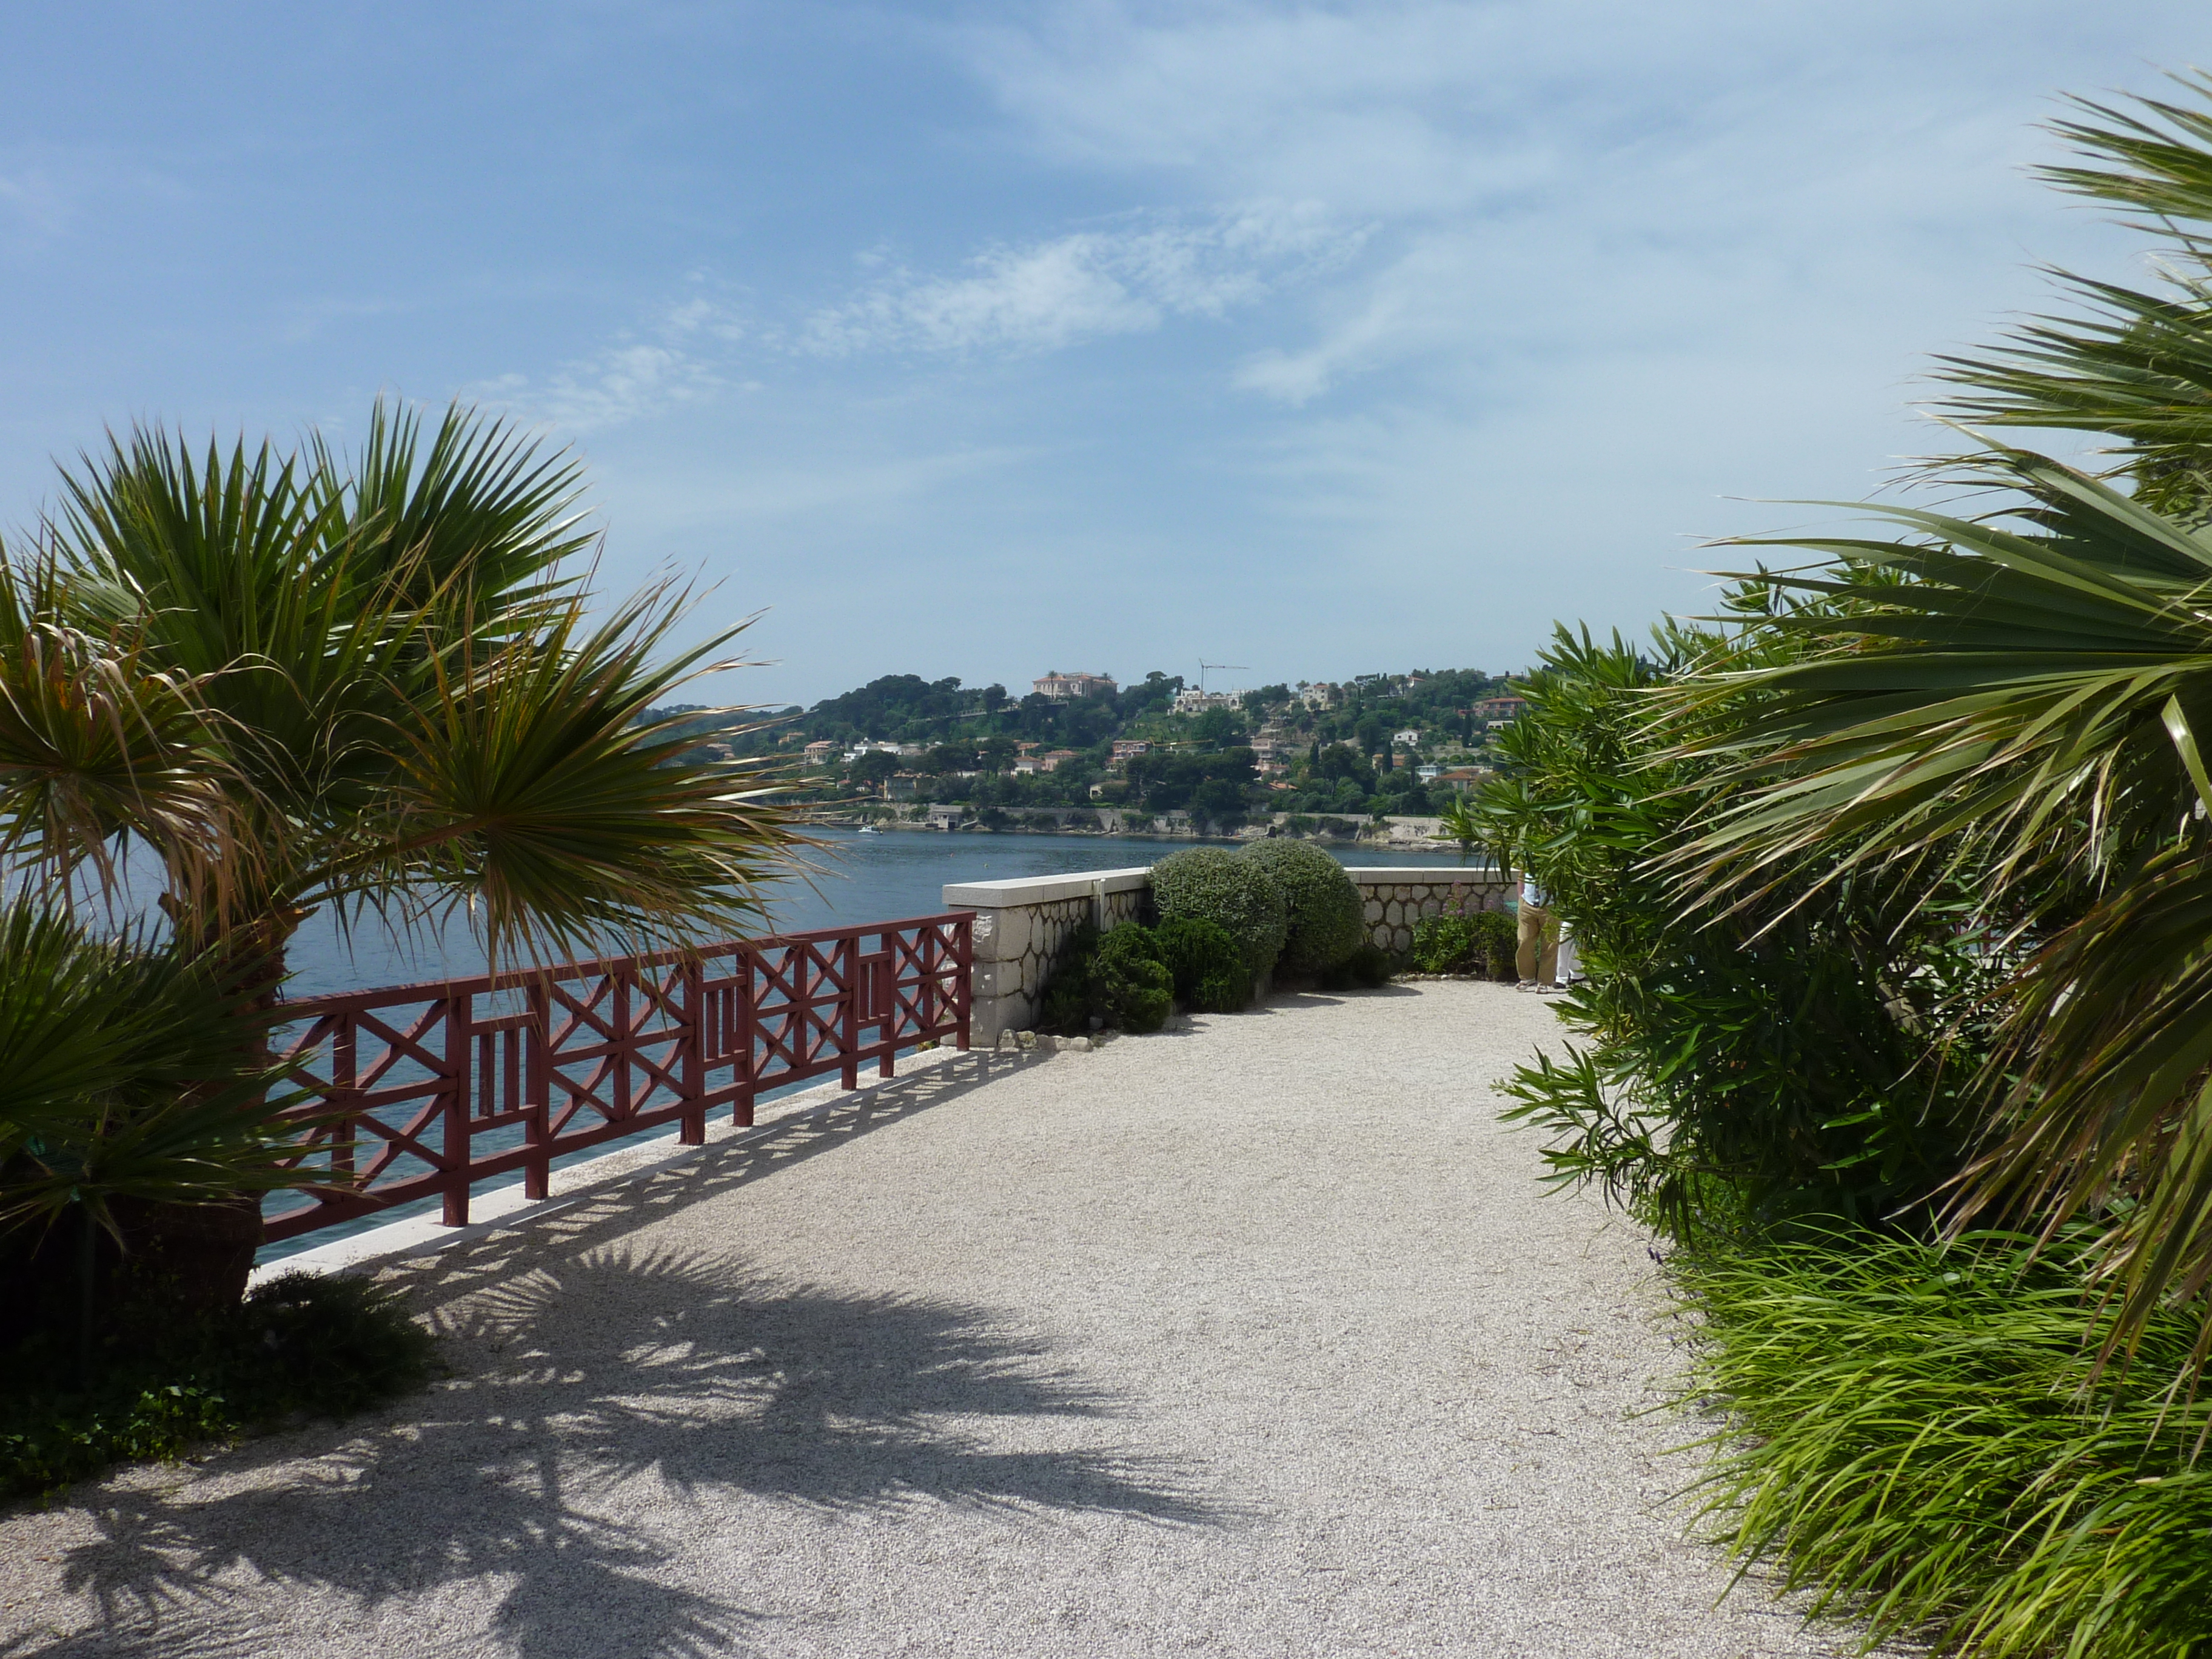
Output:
x=1421 y=835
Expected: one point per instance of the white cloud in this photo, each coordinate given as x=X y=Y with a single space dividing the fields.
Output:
x=629 y=380
x=1124 y=280
x=1574 y=178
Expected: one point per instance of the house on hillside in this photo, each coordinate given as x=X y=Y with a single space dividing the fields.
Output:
x=1061 y=688
x=1408 y=738
x=899 y=785
x=1054 y=759
x=1499 y=710
x=1192 y=700
x=1127 y=749
x=818 y=752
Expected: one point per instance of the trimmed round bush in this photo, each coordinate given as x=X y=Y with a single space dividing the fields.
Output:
x=1235 y=894
x=1210 y=976
x=1129 y=984
x=1327 y=921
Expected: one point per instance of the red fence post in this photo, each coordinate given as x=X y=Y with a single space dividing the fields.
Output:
x=457 y=1046
x=848 y=1009
x=963 y=982
x=537 y=1097
x=344 y=1074
x=741 y=1045
x=691 y=1058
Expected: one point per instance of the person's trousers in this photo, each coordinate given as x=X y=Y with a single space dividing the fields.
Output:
x=1537 y=955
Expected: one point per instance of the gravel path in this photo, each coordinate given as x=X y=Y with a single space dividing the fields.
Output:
x=1257 y=1338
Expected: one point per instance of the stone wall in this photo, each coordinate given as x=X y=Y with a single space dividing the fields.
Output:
x=1021 y=927
x=1397 y=898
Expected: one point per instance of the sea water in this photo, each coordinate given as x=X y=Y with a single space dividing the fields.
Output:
x=852 y=879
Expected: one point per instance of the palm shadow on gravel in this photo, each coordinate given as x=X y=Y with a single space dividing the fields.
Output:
x=617 y=1410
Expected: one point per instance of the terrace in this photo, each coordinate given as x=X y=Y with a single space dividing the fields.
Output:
x=1257 y=1334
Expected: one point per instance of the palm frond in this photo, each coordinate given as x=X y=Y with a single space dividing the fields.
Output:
x=528 y=788
x=2022 y=706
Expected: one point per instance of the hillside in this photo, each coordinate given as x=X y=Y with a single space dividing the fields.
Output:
x=1334 y=749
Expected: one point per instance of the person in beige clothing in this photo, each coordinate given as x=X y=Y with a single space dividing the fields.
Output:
x=1536 y=957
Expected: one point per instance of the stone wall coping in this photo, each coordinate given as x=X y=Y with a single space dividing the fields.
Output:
x=1041 y=889
x=1399 y=875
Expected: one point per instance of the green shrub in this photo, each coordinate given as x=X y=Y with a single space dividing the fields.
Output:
x=1497 y=935
x=298 y=1343
x=1209 y=971
x=1066 y=1006
x=1324 y=908
x=1119 y=980
x=1915 y=1435
x=1365 y=968
x=1447 y=944
x=1130 y=984
x=1237 y=895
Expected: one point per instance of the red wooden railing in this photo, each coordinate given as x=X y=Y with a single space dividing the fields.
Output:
x=422 y=1091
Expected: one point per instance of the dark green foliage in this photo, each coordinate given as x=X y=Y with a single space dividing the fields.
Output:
x=1235 y=894
x=298 y=1343
x=1130 y=984
x=127 y=1071
x=1119 y=980
x=1065 y=1008
x=1365 y=968
x=1497 y=935
x=1918 y=1435
x=1447 y=944
x=1209 y=970
x=1324 y=907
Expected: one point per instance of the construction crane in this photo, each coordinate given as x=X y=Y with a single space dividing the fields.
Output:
x=1203 y=665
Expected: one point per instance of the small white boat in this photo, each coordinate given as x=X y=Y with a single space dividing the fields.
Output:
x=870 y=830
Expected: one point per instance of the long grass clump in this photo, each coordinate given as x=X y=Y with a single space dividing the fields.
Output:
x=1918 y=1437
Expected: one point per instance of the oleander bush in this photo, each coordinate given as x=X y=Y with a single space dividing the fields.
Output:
x=1208 y=969
x=1237 y=895
x=1324 y=908
x=323 y=1346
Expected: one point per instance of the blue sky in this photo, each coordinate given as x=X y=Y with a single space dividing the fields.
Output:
x=983 y=340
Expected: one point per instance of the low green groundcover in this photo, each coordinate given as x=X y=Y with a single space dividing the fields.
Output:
x=299 y=1343
x=1917 y=1438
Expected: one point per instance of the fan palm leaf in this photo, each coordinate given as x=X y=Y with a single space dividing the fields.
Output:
x=2026 y=698
x=384 y=670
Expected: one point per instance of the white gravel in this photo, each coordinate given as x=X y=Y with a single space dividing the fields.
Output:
x=1256 y=1338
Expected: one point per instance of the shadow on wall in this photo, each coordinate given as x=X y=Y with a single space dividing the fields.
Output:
x=613 y=1403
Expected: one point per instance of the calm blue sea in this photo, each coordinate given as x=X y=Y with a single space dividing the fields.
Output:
x=860 y=878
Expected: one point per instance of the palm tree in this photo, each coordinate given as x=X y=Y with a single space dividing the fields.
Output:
x=374 y=684
x=2024 y=698
x=302 y=683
